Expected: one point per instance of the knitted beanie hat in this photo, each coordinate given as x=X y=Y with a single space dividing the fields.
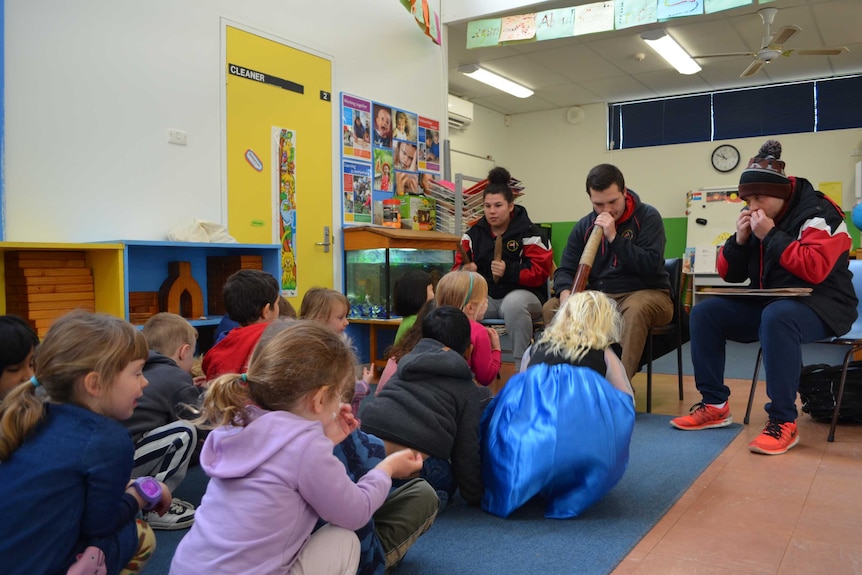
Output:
x=764 y=175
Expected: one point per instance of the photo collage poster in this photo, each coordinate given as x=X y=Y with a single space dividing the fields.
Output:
x=386 y=152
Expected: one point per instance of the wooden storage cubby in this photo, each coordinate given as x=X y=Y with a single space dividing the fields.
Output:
x=125 y=266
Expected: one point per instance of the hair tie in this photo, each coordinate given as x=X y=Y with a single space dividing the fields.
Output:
x=34 y=381
x=469 y=292
x=244 y=378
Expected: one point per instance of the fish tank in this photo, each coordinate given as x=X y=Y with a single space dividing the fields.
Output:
x=374 y=258
x=370 y=276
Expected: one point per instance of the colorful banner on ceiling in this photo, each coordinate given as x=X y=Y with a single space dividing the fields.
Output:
x=587 y=19
x=427 y=19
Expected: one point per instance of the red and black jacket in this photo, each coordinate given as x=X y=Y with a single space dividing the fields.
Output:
x=527 y=254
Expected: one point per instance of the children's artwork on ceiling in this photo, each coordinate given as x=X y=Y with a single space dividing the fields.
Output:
x=677 y=9
x=285 y=151
x=427 y=19
x=401 y=144
x=514 y=28
x=356 y=127
x=588 y=19
x=552 y=24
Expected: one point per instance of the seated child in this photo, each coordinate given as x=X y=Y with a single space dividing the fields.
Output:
x=562 y=428
x=332 y=308
x=404 y=345
x=469 y=292
x=408 y=511
x=285 y=309
x=271 y=467
x=164 y=439
x=65 y=462
x=411 y=291
x=17 y=343
x=250 y=298
x=432 y=405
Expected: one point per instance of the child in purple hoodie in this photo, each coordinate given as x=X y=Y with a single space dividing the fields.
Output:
x=272 y=470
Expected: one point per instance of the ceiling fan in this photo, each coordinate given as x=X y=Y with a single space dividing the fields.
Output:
x=772 y=45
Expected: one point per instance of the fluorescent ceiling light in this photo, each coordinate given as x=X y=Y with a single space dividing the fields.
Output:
x=492 y=79
x=668 y=49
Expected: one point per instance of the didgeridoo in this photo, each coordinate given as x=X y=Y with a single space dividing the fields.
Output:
x=498 y=252
x=588 y=256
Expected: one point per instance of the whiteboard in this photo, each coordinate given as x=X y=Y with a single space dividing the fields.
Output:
x=712 y=217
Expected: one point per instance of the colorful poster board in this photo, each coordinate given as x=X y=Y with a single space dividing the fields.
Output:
x=403 y=153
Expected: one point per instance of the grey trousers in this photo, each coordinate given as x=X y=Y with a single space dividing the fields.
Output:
x=406 y=514
x=517 y=309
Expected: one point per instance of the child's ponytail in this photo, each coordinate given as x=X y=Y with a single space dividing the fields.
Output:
x=225 y=401
x=20 y=412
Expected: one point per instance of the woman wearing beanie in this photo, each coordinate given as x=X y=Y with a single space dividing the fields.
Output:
x=513 y=257
x=788 y=236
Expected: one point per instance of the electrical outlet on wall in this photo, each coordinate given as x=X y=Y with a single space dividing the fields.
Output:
x=177 y=137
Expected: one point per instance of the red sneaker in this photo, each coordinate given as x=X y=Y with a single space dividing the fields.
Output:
x=703 y=416
x=775 y=439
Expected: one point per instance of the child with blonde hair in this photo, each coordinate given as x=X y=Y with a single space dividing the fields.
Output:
x=70 y=460
x=562 y=428
x=271 y=467
x=468 y=291
x=332 y=308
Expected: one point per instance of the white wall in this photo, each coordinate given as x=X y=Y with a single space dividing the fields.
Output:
x=92 y=87
x=553 y=157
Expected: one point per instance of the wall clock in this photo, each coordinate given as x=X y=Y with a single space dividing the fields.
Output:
x=725 y=158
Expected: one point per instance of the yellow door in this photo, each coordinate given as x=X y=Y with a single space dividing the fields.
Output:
x=279 y=154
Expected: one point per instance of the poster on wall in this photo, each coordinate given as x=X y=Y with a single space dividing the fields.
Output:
x=356 y=187
x=403 y=157
x=429 y=144
x=284 y=168
x=355 y=127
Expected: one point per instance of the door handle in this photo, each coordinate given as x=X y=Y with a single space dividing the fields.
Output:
x=326 y=240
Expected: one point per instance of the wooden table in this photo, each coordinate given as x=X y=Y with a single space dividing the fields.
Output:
x=373 y=326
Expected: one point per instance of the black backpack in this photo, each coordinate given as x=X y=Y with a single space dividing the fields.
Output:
x=818 y=390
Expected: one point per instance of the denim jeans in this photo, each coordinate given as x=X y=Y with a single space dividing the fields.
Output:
x=780 y=325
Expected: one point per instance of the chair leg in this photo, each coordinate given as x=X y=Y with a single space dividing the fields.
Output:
x=649 y=375
x=753 y=385
x=847 y=357
x=679 y=361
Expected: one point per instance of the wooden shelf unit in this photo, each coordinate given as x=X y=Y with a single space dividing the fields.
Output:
x=122 y=266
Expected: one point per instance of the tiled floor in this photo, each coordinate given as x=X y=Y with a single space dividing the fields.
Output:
x=748 y=514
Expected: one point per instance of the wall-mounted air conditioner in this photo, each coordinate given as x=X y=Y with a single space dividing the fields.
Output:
x=460 y=113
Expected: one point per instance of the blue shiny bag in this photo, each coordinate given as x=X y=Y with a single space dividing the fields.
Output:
x=558 y=431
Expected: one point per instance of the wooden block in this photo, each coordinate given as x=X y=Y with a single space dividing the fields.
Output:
x=139 y=318
x=53 y=282
x=57 y=305
x=25 y=264
x=180 y=292
x=38 y=297
x=51 y=272
x=55 y=313
x=15 y=256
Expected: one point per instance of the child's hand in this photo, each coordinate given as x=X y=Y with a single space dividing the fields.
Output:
x=402 y=464
x=367 y=374
x=343 y=424
x=200 y=381
x=165 y=504
x=495 y=339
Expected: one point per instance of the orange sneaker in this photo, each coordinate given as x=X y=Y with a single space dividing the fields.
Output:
x=703 y=416
x=775 y=439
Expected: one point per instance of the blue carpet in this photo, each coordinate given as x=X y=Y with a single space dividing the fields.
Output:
x=663 y=464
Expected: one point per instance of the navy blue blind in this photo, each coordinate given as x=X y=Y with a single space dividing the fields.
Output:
x=662 y=122
x=765 y=111
x=838 y=103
